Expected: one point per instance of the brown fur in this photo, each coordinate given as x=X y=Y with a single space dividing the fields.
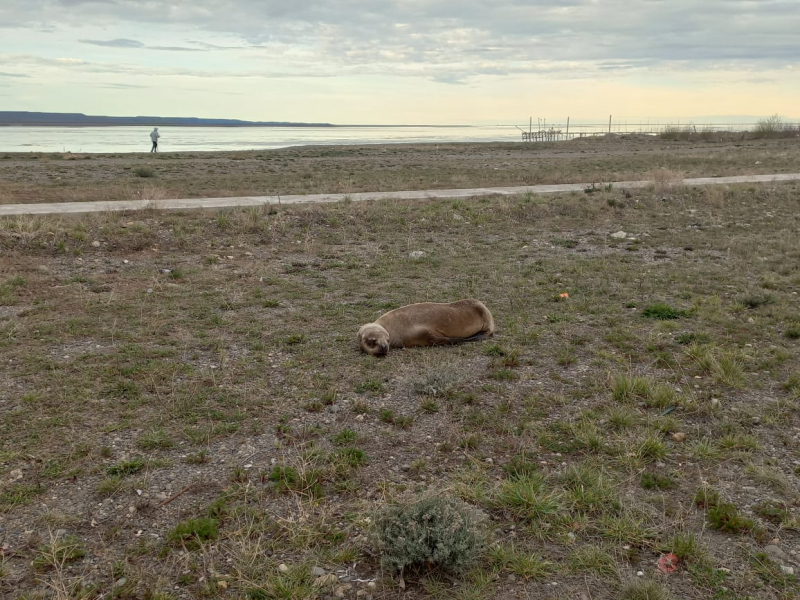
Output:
x=427 y=324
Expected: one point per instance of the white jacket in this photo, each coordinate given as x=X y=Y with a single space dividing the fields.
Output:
x=154 y=134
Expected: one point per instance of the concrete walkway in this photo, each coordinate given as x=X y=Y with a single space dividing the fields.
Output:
x=67 y=208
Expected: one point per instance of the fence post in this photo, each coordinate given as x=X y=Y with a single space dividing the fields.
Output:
x=609 y=123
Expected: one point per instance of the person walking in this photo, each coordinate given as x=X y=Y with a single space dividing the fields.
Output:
x=154 y=135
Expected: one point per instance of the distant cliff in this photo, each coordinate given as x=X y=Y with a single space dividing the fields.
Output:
x=79 y=119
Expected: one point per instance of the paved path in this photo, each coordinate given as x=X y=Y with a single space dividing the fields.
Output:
x=64 y=208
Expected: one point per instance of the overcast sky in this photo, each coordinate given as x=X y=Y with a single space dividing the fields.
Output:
x=402 y=61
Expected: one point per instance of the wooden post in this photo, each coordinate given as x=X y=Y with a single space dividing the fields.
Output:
x=609 y=123
x=567 y=136
x=530 y=126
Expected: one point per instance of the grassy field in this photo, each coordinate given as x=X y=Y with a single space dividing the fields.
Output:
x=184 y=412
x=32 y=177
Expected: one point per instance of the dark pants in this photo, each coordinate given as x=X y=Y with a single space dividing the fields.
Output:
x=155 y=147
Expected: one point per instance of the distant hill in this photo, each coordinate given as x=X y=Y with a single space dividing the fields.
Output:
x=79 y=119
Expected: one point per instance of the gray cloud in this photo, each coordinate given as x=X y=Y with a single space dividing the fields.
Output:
x=118 y=43
x=136 y=44
x=2 y=74
x=452 y=40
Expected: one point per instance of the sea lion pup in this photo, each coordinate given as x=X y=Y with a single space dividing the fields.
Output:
x=427 y=324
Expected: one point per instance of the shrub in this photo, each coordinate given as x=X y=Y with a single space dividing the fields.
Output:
x=437 y=533
x=144 y=172
x=770 y=126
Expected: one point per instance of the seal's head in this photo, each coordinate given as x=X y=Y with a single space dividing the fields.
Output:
x=373 y=339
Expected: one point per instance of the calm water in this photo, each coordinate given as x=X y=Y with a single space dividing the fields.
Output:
x=182 y=139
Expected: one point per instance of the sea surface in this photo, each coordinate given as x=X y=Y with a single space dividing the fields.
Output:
x=188 y=139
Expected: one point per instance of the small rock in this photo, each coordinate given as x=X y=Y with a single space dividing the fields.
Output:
x=222 y=584
x=776 y=552
x=715 y=403
x=318 y=572
x=458 y=217
x=416 y=254
x=679 y=436
x=43 y=268
x=125 y=262
x=619 y=235
x=95 y=244
x=787 y=570
x=165 y=271
x=640 y=573
x=283 y=568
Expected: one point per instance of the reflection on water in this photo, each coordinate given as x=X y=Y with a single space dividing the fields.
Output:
x=183 y=139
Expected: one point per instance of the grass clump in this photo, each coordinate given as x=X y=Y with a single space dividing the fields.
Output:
x=126 y=467
x=651 y=481
x=438 y=533
x=773 y=511
x=687 y=547
x=520 y=467
x=753 y=301
x=663 y=312
x=344 y=438
x=773 y=575
x=684 y=339
x=527 y=498
x=644 y=589
x=630 y=388
x=529 y=566
x=59 y=551
x=193 y=532
x=156 y=439
x=17 y=495
x=289 y=479
x=596 y=559
x=725 y=517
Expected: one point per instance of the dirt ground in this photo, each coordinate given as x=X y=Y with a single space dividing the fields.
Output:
x=31 y=177
x=184 y=412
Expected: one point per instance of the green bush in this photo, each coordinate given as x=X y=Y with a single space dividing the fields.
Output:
x=435 y=533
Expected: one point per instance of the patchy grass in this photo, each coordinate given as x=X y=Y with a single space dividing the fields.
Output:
x=38 y=177
x=228 y=416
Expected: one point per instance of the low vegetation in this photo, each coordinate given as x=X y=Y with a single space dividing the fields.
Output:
x=216 y=433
